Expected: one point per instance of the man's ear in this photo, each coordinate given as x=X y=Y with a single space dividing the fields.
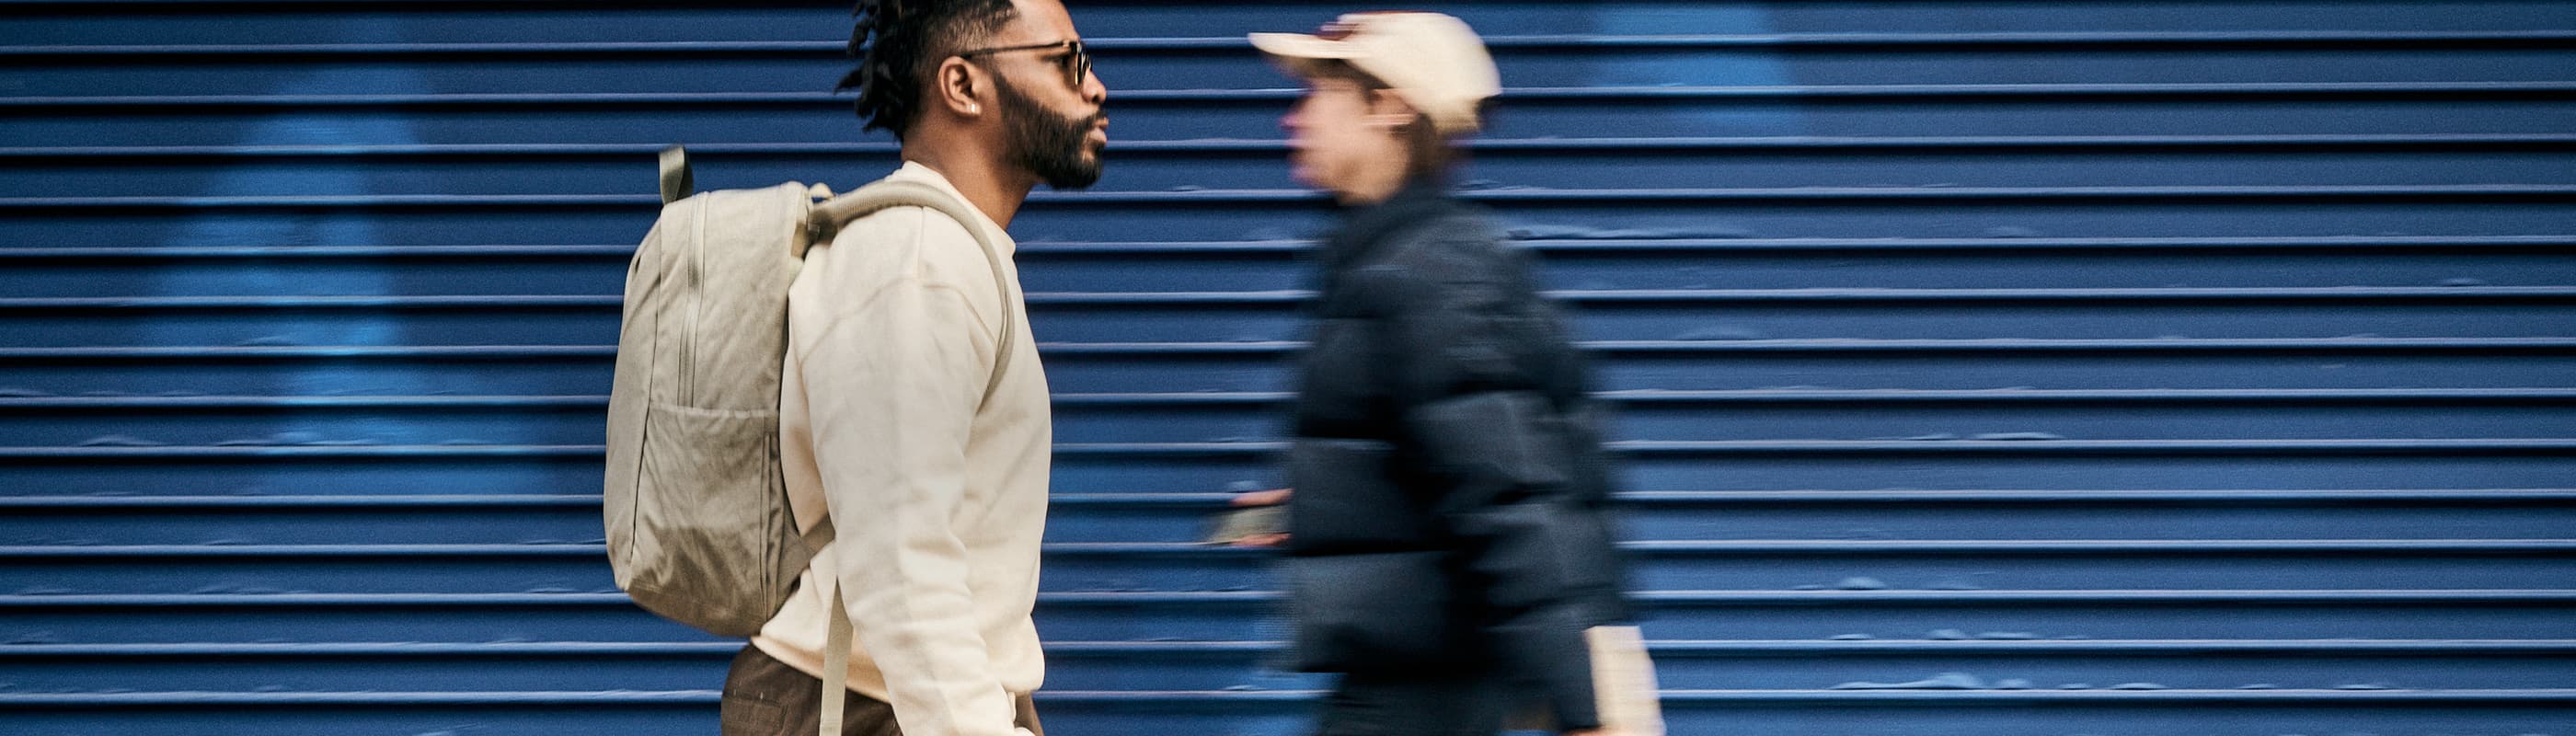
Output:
x=959 y=87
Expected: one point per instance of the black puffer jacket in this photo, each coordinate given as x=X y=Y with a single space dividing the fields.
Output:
x=1451 y=489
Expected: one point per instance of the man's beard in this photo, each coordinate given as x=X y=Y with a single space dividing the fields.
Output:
x=1055 y=148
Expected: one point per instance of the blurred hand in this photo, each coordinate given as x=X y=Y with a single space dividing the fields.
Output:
x=1272 y=497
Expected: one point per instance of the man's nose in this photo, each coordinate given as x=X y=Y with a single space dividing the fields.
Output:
x=1092 y=89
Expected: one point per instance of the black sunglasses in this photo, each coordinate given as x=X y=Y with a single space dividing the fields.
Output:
x=1076 y=65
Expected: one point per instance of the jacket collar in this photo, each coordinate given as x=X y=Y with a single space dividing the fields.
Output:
x=1364 y=226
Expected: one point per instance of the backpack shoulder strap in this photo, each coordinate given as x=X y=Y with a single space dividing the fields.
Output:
x=828 y=216
x=823 y=222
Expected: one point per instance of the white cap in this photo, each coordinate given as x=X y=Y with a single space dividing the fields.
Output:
x=1435 y=62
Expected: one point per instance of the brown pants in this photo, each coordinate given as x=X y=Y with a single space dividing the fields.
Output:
x=765 y=697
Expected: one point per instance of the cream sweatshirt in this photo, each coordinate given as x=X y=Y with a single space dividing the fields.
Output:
x=938 y=493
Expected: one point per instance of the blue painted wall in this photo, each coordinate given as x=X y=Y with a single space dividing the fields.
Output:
x=1985 y=368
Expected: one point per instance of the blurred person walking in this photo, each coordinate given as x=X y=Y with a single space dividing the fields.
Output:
x=1450 y=542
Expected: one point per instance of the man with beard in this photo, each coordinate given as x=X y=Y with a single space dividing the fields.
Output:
x=902 y=409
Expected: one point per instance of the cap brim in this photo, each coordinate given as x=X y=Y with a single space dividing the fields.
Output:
x=1297 y=52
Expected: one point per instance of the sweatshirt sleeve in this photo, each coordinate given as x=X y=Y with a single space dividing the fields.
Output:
x=894 y=382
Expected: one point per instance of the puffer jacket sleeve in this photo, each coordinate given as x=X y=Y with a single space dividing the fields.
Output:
x=1480 y=360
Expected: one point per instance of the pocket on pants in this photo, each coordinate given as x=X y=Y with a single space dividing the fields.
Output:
x=743 y=714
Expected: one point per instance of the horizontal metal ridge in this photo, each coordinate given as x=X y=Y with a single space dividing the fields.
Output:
x=334 y=201
x=212 y=551
x=115 y=155
x=2085 y=39
x=525 y=600
x=596 y=301
x=1291 y=298
x=1606 y=296
x=346 y=451
x=1871 y=92
x=2326 y=293
x=2266 y=497
x=369 y=698
x=2533 y=496
x=1682 y=598
x=2484 y=193
x=2119 y=646
x=234 y=6
x=2106 y=497
x=280 y=402
x=397 y=502
x=1909 y=42
x=2020 y=345
x=1686 y=448
x=478 y=252
x=2105 y=547
x=2118 y=695
x=369 y=649
x=1267 y=398
x=1682 y=648
x=2219 y=447
x=1219 y=698
x=682 y=49
x=1875 y=547
x=2058 y=396
x=1191 y=549
x=297 y=352
x=2168 y=346
x=2338 y=244
x=2107 y=597
x=308 y=600
x=1942 y=446
x=1837 y=246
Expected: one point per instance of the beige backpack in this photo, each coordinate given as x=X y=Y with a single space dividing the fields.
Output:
x=695 y=504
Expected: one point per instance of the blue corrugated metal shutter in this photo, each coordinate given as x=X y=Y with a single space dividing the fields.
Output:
x=1995 y=368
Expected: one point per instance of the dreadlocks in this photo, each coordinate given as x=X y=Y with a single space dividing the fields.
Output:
x=895 y=39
